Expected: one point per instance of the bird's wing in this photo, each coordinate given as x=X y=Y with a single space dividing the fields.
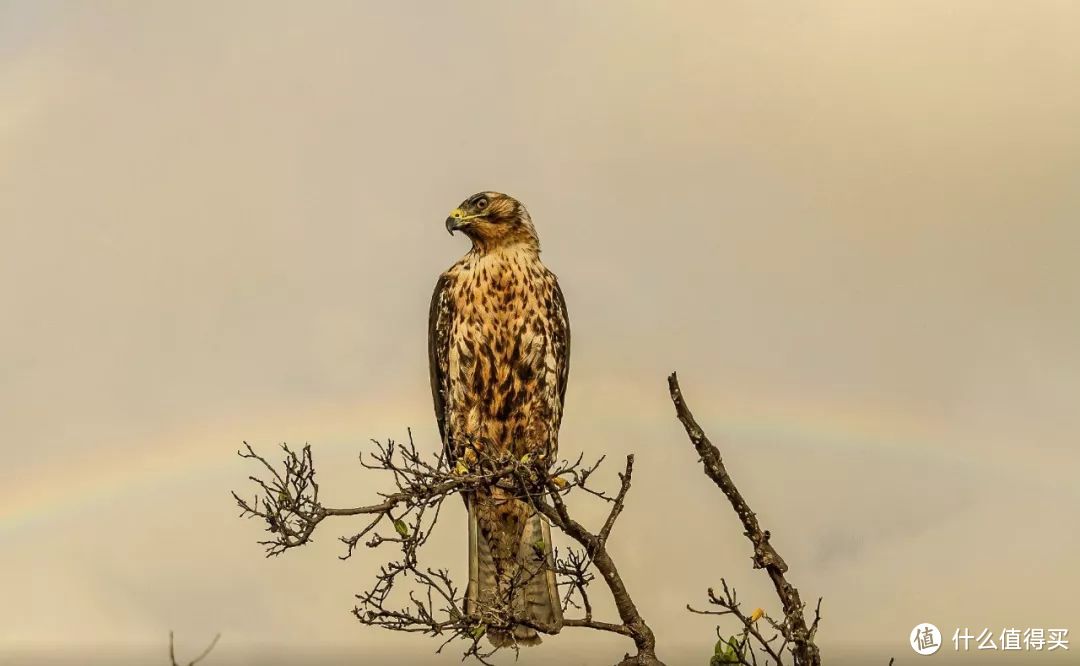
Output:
x=439 y=318
x=562 y=328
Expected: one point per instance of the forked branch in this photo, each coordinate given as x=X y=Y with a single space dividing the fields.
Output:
x=196 y=660
x=797 y=636
x=287 y=500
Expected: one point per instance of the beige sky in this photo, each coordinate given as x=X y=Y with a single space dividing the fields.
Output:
x=851 y=226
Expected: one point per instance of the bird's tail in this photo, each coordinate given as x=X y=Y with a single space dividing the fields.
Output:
x=524 y=582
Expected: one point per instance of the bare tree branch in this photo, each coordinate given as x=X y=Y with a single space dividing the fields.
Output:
x=596 y=547
x=288 y=501
x=172 y=651
x=793 y=628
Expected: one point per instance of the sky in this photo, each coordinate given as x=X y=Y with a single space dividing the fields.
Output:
x=850 y=226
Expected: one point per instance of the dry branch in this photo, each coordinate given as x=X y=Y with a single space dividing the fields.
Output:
x=287 y=500
x=172 y=651
x=798 y=638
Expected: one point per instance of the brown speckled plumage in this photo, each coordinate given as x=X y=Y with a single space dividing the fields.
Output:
x=499 y=344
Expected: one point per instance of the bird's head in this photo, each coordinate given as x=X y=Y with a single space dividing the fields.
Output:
x=493 y=220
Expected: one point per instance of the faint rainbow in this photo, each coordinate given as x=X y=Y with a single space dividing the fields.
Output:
x=59 y=490
x=63 y=490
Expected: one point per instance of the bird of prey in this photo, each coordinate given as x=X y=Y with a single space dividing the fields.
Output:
x=499 y=350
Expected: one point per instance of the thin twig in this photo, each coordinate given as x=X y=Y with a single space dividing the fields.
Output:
x=794 y=629
x=172 y=651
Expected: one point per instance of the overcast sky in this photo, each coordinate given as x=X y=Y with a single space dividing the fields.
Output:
x=851 y=226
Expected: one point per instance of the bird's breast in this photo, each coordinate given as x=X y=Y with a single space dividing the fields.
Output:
x=498 y=338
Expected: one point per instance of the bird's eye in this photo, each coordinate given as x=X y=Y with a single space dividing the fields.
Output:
x=481 y=204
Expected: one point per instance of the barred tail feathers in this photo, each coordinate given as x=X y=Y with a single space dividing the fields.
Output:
x=527 y=583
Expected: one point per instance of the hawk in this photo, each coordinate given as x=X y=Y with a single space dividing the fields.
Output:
x=499 y=351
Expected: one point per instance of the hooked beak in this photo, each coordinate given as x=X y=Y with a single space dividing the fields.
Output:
x=458 y=220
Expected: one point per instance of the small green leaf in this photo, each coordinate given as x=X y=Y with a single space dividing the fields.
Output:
x=725 y=652
x=401 y=527
x=525 y=459
x=479 y=631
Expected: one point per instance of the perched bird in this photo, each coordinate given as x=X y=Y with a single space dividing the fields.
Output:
x=499 y=350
